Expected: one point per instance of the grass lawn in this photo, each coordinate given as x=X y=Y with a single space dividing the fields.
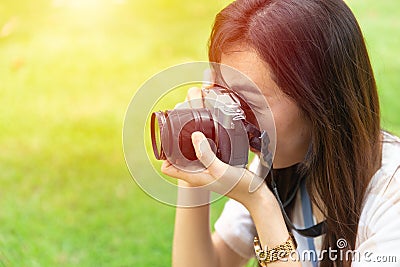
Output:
x=68 y=69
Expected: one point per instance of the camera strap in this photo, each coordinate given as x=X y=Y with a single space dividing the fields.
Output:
x=313 y=231
x=259 y=141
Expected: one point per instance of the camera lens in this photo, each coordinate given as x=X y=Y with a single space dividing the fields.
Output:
x=196 y=120
x=171 y=133
x=157 y=122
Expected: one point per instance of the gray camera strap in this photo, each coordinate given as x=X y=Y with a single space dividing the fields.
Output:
x=260 y=141
x=313 y=231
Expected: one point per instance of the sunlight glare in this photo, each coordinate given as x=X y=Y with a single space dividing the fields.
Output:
x=85 y=4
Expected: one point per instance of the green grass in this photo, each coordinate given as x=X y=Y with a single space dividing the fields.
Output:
x=66 y=78
x=380 y=22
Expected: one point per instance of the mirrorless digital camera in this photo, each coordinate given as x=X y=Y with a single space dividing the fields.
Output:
x=222 y=119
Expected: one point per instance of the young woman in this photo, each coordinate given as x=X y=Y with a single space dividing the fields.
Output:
x=309 y=59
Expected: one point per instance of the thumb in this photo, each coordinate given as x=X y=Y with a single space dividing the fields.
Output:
x=203 y=150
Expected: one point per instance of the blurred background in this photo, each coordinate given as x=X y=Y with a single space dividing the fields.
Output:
x=68 y=69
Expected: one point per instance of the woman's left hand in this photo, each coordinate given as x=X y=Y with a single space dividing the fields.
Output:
x=241 y=185
x=219 y=177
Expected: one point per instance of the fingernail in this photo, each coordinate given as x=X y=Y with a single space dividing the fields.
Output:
x=198 y=153
x=197 y=137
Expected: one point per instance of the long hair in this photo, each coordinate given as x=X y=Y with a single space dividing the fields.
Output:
x=317 y=55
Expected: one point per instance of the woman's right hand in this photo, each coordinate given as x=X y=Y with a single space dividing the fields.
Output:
x=192 y=225
x=194 y=97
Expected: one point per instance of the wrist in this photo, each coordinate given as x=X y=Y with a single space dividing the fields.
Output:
x=262 y=199
x=267 y=216
x=192 y=196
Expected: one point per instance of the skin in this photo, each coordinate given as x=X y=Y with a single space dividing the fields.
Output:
x=292 y=129
x=192 y=227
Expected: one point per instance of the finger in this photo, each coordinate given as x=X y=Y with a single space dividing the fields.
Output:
x=206 y=156
x=226 y=176
x=165 y=164
x=196 y=179
x=170 y=170
x=195 y=97
x=208 y=78
x=254 y=181
x=193 y=93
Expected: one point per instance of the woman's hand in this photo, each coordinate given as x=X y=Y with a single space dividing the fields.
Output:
x=237 y=183
x=217 y=176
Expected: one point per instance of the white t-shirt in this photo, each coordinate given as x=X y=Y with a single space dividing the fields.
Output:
x=378 y=237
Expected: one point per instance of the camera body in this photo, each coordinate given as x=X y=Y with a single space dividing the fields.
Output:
x=234 y=147
x=221 y=120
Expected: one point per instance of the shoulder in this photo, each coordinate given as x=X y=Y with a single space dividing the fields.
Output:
x=388 y=172
x=380 y=216
x=390 y=153
x=387 y=178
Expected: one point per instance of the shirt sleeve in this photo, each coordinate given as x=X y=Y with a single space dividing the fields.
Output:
x=236 y=228
x=378 y=239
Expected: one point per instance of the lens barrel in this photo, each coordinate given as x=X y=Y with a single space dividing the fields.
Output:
x=171 y=132
x=157 y=123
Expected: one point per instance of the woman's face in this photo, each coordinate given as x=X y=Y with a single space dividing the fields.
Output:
x=293 y=133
